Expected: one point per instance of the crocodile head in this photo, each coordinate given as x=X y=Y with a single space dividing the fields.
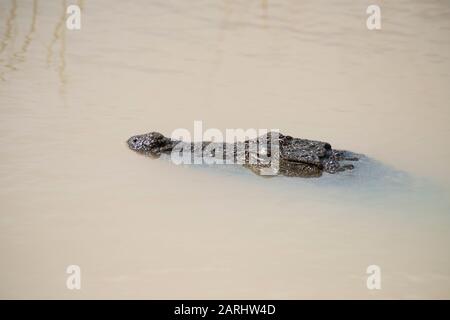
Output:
x=152 y=143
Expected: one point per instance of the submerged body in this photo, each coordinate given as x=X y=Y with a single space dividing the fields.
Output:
x=294 y=157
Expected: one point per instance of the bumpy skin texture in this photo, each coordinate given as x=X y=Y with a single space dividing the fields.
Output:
x=297 y=157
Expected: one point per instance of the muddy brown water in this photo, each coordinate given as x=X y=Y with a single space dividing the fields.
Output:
x=72 y=193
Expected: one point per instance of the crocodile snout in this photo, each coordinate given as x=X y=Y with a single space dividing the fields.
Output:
x=134 y=143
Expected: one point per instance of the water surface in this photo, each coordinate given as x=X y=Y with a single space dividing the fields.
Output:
x=71 y=192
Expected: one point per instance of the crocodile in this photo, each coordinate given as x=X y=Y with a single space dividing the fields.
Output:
x=295 y=157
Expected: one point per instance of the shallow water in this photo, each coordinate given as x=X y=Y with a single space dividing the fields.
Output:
x=71 y=192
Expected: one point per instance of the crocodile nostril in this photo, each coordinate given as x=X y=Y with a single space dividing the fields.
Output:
x=327 y=146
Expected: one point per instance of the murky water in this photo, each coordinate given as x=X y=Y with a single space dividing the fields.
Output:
x=71 y=192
